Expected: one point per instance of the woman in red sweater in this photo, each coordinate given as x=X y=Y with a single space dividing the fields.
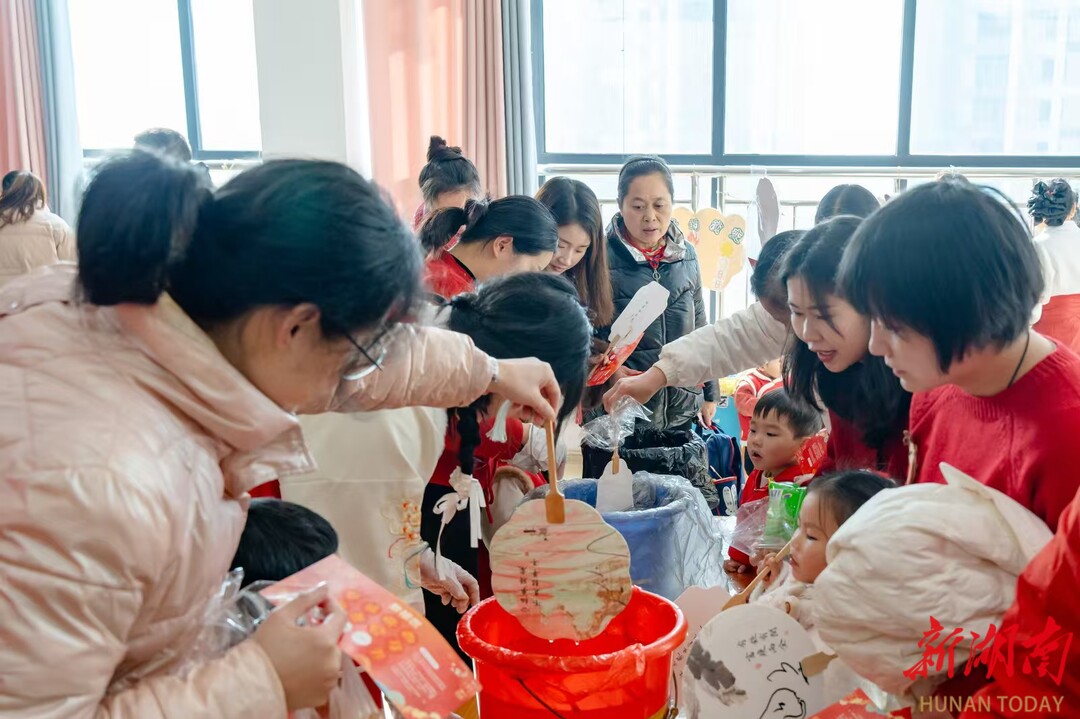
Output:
x=514 y=234
x=868 y=409
x=950 y=276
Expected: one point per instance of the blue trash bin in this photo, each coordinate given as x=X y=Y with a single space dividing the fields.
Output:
x=670 y=532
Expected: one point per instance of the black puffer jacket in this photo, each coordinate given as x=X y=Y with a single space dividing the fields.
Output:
x=672 y=407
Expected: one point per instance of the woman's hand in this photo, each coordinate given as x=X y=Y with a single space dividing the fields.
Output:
x=707 y=414
x=641 y=387
x=306 y=658
x=458 y=588
x=530 y=386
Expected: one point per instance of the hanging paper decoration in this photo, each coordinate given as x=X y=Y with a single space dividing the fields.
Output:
x=719 y=240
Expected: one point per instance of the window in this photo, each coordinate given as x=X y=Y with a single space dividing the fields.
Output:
x=786 y=54
x=888 y=83
x=975 y=91
x=126 y=79
x=224 y=33
x=130 y=61
x=624 y=77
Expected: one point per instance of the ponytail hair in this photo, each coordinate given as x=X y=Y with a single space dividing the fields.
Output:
x=283 y=233
x=1052 y=202
x=138 y=216
x=21 y=194
x=532 y=314
x=528 y=222
x=447 y=170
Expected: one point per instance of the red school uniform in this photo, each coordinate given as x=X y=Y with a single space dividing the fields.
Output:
x=757 y=487
x=1021 y=441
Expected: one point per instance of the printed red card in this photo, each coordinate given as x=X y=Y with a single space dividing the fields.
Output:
x=858 y=706
x=407 y=657
x=812 y=453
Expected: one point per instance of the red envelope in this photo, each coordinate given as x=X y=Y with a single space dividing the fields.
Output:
x=811 y=454
x=611 y=362
x=407 y=657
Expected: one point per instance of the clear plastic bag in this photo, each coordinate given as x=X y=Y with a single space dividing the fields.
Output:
x=233 y=616
x=674 y=543
x=750 y=526
x=608 y=431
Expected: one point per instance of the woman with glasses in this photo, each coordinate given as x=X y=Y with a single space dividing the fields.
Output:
x=146 y=394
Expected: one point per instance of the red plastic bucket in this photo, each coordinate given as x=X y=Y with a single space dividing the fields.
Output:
x=625 y=673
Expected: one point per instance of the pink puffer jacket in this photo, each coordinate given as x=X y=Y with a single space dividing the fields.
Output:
x=127 y=446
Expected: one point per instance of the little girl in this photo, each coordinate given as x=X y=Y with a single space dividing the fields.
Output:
x=830 y=501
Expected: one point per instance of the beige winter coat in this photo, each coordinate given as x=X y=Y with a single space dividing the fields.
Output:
x=42 y=240
x=127 y=446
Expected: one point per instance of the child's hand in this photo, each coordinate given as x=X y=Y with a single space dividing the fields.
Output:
x=730 y=565
x=770 y=566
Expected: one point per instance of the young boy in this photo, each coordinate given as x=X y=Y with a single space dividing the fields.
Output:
x=281 y=538
x=778 y=429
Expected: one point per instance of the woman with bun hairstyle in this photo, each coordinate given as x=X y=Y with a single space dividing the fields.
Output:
x=449 y=179
x=501 y=237
x=30 y=235
x=147 y=391
x=1053 y=208
x=581 y=255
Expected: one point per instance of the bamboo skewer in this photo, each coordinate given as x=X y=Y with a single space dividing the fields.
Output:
x=744 y=596
x=553 y=504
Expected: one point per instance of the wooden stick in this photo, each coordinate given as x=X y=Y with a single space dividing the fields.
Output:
x=615 y=461
x=816 y=663
x=744 y=596
x=553 y=504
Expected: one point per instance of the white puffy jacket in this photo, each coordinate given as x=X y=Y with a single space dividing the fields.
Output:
x=952 y=551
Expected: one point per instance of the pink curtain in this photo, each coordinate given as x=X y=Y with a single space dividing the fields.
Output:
x=414 y=58
x=22 y=113
x=434 y=68
x=485 y=117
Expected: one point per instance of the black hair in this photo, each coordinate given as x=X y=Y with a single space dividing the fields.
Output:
x=531 y=314
x=281 y=538
x=952 y=262
x=801 y=418
x=843 y=493
x=21 y=195
x=164 y=141
x=867 y=394
x=640 y=166
x=765 y=279
x=1052 y=203
x=573 y=202
x=282 y=233
x=846 y=200
x=523 y=218
x=447 y=170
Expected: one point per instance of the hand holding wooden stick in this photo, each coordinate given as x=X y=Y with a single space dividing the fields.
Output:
x=744 y=596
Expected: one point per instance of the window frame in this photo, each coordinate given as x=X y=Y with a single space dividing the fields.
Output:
x=193 y=131
x=901 y=159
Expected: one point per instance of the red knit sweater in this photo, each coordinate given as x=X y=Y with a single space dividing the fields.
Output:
x=846 y=450
x=1021 y=442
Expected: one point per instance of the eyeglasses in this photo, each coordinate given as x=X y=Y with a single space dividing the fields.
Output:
x=370 y=358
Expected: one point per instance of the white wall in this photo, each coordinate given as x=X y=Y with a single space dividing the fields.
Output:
x=312 y=86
